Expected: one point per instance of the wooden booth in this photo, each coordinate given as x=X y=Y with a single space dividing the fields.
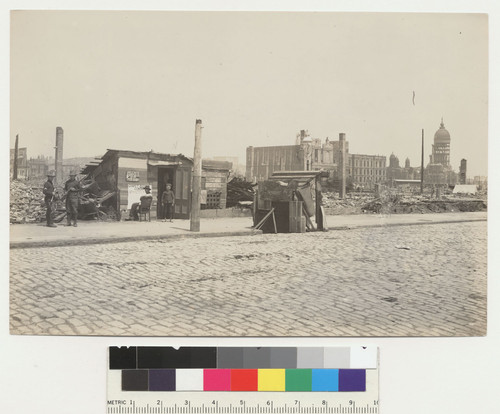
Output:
x=290 y=202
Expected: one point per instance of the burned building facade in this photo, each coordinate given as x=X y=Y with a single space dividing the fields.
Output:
x=397 y=172
x=313 y=154
x=439 y=170
x=367 y=170
x=21 y=163
x=307 y=154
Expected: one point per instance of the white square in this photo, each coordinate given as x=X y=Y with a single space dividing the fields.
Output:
x=364 y=357
x=189 y=380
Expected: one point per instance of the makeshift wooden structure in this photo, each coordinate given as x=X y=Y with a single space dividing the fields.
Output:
x=293 y=199
x=127 y=172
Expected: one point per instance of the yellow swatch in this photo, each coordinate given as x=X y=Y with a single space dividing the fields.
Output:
x=271 y=380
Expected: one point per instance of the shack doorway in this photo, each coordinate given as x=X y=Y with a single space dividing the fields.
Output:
x=166 y=175
x=182 y=189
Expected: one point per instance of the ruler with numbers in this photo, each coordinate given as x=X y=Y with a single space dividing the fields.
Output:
x=247 y=404
x=138 y=378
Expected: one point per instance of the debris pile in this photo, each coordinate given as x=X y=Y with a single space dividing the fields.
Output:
x=351 y=204
x=26 y=203
x=423 y=206
x=239 y=193
x=392 y=202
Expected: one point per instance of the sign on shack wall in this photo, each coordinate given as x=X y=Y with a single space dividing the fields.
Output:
x=132 y=176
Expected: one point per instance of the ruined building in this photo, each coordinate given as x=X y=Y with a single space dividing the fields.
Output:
x=439 y=170
x=311 y=154
x=22 y=163
x=396 y=172
x=463 y=171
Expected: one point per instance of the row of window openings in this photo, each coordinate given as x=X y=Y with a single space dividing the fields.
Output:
x=378 y=164
x=366 y=179
x=317 y=158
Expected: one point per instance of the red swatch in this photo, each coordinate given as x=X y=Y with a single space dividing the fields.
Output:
x=244 y=379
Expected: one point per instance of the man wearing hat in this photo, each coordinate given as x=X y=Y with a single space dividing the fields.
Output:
x=72 y=188
x=146 y=201
x=48 y=191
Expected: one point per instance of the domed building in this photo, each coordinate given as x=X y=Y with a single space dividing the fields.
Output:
x=441 y=146
x=393 y=161
x=439 y=170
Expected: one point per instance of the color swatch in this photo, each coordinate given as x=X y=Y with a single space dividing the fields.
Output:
x=283 y=369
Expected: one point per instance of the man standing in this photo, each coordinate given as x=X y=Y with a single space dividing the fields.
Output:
x=48 y=191
x=145 y=202
x=168 y=200
x=72 y=188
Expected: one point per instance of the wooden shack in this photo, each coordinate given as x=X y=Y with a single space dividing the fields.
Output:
x=128 y=172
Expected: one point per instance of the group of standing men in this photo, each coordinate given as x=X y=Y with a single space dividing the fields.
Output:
x=72 y=189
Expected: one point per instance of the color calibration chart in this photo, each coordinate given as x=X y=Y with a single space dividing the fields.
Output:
x=242 y=380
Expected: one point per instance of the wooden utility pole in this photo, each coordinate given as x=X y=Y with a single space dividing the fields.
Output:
x=422 y=166
x=16 y=155
x=195 y=205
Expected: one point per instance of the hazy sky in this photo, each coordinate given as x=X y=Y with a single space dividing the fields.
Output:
x=139 y=80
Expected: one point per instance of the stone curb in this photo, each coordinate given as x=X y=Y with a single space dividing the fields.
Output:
x=98 y=240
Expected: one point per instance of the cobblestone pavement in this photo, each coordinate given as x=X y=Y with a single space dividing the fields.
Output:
x=427 y=280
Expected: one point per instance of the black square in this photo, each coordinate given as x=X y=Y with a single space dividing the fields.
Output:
x=122 y=357
x=157 y=357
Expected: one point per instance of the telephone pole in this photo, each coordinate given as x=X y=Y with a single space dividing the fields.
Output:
x=195 y=205
x=422 y=166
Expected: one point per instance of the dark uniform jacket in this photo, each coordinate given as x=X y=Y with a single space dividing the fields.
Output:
x=72 y=187
x=48 y=190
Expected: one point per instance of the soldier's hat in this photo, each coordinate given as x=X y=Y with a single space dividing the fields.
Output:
x=51 y=173
x=147 y=187
x=169 y=185
x=73 y=172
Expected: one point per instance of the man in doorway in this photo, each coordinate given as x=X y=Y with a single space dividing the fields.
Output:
x=72 y=188
x=48 y=191
x=168 y=201
x=145 y=200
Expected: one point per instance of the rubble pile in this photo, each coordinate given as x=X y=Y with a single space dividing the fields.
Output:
x=421 y=205
x=239 y=192
x=392 y=202
x=352 y=204
x=26 y=203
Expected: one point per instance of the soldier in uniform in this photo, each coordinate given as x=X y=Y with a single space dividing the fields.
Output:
x=72 y=188
x=48 y=191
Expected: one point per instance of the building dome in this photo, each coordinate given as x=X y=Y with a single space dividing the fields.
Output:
x=442 y=136
x=393 y=161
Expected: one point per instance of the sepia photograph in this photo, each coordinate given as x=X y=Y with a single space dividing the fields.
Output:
x=248 y=174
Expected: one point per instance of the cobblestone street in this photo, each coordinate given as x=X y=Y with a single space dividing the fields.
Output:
x=426 y=280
